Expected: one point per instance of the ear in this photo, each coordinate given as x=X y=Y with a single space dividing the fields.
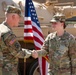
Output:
x=13 y=16
x=62 y=23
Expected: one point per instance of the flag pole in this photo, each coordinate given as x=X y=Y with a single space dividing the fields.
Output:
x=24 y=66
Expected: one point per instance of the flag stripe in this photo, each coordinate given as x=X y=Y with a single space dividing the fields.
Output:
x=37 y=35
x=37 y=44
x=28 y=34
x=27 y=30
x=28 y=38
x=27 y=27
x=27 y=18
x=35 y=29
x=27 y=22
x=38 y=40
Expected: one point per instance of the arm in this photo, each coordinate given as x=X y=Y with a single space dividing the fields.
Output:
x=13 y=45
x=72 y=54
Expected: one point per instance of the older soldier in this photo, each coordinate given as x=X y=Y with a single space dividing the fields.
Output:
x=60 y=46
x=10 y=49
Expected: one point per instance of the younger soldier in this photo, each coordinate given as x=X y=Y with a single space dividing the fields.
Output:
x=60 y=46
x=10 y=49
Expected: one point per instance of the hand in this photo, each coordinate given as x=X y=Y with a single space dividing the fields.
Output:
x=27 y=53
x=34 y=54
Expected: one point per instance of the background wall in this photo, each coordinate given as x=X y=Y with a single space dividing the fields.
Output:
x=60 y=1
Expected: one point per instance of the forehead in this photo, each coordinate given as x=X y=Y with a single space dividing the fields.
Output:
x=15 y=15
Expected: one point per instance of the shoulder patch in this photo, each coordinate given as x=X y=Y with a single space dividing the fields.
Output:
x=12 y=41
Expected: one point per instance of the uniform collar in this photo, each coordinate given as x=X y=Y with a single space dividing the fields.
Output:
x=63 y=36
x=5 y=23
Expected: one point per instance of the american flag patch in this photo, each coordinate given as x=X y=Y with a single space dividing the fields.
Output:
x=12 y=41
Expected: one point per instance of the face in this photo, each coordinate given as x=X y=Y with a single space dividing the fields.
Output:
x=57 y=26
x=16 y=20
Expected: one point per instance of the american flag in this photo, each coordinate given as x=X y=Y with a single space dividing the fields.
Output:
x=33 y=32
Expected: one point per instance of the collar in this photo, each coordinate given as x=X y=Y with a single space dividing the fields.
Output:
x=5 y=23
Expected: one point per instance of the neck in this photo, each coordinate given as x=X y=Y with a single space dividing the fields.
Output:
x=60 y=32
x=9 y=23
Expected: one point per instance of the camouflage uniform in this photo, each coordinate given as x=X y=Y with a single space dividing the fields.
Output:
x=61 y=51
x=10 y=49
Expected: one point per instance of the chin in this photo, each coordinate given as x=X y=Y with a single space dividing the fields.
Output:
x=53 y=29
x=15 y=26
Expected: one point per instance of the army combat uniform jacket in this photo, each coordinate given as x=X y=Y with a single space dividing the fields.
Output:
x=10 y=50
x=61 y=52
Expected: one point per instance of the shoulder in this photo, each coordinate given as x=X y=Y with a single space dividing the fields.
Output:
x=4 y=29
x=71 y=39
x=69 y=36
x=52 y=35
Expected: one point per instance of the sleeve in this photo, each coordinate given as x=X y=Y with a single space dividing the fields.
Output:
x=0 y=34
x=45 y=48
x=13 y=45
x=72 y=52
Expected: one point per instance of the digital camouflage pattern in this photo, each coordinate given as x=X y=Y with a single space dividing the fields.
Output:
x=10 y=51
x=58 y=17
x=61 y=52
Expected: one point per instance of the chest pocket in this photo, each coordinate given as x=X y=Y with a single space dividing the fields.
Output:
x=64 y=43
x=59 y=47
x=62 y=50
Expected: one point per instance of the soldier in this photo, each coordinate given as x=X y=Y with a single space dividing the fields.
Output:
x=60 y=46
x=10 y=49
